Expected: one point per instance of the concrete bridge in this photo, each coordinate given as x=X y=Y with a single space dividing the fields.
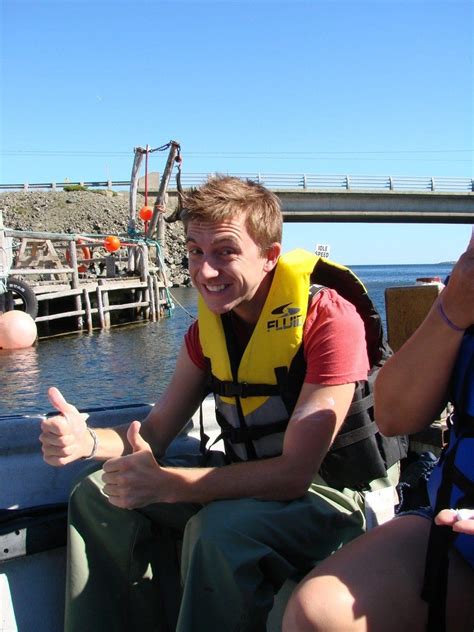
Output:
x=379 y=199
x=373 y=206
x=369 y=206
x=335 y=198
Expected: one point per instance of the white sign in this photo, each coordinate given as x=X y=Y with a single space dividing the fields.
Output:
x=323 y=250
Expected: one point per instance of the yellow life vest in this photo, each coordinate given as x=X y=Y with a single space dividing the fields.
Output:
x=254 y=403
x=277 y=335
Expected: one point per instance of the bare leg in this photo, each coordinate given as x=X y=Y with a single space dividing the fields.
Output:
x=373 y=584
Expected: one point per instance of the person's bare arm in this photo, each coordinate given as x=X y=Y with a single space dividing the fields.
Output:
x=65 y=437
x=137 y=480
x=411 y=387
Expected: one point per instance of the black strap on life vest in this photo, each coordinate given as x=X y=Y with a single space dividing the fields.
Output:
x=252 y=433
x=244 y=433
x=345 y=439
x=242 y=389
x=235 y=355
x=360 y=405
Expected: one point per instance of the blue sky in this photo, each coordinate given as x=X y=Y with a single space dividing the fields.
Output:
x=378 y=87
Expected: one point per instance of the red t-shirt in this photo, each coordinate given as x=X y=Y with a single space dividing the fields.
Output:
x=333 y=338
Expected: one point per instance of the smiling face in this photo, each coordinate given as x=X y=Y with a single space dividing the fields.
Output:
x=228 y=268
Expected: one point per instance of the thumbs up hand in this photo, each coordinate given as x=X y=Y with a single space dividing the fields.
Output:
x=134 y=480
x=458 y=296
x=135 y=439
x=64 y=437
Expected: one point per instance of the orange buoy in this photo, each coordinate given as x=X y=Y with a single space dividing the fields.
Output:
x=145 y=213
x=17 y=330
x=112 y=243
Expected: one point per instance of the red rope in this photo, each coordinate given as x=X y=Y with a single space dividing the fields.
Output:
x=146 y=175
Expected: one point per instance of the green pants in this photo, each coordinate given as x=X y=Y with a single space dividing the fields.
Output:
x=234 y=557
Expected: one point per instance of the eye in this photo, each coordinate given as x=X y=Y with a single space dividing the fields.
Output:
x=194 y=251
x=228 y=251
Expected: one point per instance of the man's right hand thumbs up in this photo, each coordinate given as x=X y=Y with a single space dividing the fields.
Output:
x=64 y=437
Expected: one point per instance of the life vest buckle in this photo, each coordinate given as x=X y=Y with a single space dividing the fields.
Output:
x=234 y=389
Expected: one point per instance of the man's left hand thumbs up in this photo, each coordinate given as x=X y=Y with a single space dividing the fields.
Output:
x=133 y=480
x=135 y=439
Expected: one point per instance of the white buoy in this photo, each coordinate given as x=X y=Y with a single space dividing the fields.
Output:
x=17 y=330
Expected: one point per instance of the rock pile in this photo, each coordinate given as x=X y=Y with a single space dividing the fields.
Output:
x=88 y=212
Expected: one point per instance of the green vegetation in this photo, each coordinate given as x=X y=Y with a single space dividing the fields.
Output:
x=75 y=187
x=80 y=187
x=107 y=192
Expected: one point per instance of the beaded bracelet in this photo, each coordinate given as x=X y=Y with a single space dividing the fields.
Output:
x=449 y=322
x=94 y=445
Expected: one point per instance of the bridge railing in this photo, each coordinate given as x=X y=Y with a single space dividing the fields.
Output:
x=347 y=182
x=291 y=181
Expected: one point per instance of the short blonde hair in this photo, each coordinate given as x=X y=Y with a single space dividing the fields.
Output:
x=223 y=197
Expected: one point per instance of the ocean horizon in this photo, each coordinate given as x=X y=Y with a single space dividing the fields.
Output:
x=133 y=364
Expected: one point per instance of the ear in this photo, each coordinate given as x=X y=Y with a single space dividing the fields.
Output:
x=272 y=255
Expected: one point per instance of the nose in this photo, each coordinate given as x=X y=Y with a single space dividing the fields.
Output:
x=208 y=270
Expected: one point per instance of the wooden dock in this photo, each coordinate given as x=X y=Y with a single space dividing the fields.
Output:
x=87 y=281
x=99 y=304
x=80 y=286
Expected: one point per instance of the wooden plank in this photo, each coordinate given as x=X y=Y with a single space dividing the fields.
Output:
x=106 y=304
x=38 y=271
x=6 y=253
x=144 y=268
x=406 y=308
x=45 y=289
x=113 y=285
x=151 y=295
x=87 y=303
x=40 y=319
x=113 y=307
x=156 y=289
x=75 y=282
x=126 y=284
x=100 y=307
x=102 y=290
x=53 y=295
x=105 y=289
x=75 y=271
x=31 y=234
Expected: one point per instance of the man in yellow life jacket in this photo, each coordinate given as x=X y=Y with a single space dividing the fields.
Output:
x=290 y=363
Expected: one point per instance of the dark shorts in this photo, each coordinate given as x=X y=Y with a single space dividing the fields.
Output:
x=424 y=512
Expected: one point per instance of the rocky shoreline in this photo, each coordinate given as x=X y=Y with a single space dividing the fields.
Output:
x=88 y=212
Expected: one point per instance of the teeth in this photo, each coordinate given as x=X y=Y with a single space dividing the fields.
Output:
x=215 y=288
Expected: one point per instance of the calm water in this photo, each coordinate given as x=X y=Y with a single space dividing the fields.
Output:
x=134 y=364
